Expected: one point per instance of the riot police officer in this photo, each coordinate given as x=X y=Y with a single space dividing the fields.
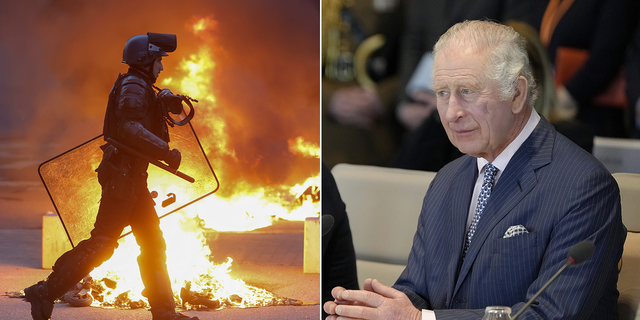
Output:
x=136 y=116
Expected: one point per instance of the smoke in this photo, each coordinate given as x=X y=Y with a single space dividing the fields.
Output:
x=59 y=60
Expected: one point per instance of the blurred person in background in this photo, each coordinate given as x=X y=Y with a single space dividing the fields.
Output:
x=633 y=85
x=587 y=41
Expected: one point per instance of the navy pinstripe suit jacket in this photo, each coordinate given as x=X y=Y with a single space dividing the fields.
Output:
x=562 y=195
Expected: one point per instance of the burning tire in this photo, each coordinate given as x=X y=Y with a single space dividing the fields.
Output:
x=77 y=299
x=80 y=295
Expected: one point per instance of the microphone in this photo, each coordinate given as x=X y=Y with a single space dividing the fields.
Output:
x=327 y=223
x=579 y=253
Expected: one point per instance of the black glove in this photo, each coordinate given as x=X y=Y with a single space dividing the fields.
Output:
x=172 y=102
x=173 y=158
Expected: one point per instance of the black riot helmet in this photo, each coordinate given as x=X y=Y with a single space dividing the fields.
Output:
x=143 y=49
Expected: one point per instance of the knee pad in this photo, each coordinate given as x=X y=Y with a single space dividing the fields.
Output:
x=97 y=248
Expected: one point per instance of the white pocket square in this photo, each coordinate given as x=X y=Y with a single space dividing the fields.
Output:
x=515 y=231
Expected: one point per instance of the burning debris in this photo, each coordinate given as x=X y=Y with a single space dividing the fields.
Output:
x=205 y=300
x=311 y=193
x=81 y=295
x=93 y=290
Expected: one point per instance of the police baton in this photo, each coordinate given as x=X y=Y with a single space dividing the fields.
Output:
x=153 y=161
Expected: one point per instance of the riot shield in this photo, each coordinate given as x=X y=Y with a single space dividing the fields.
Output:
x=72 y=183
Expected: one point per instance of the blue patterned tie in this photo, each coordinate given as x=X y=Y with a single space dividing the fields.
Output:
x=489 y=176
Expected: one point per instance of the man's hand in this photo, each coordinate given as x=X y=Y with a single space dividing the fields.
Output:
x=356 y=106
x=172 y=102
x=413 y=114
x=567 y=108
x=173 y=158
x=376 y=301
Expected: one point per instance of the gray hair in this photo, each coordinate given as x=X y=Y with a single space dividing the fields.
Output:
x=506 y=53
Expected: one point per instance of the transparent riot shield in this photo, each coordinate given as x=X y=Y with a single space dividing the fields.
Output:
x=72 y=183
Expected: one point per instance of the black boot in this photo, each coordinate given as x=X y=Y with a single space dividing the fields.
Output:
x=70 y=268
x=41 y=306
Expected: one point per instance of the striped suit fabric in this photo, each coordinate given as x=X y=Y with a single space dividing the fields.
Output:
x=561 y=195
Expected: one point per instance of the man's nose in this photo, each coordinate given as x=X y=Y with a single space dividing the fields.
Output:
x=454 y=109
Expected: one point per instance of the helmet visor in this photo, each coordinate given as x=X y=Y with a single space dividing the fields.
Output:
x=162 y=42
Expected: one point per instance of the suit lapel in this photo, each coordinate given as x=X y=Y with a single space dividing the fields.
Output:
x=518 y=179
x=460 y=197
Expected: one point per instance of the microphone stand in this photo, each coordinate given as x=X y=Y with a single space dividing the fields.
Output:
x=577 y=254
x=566 y=264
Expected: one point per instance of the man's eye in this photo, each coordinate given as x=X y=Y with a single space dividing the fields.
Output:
x=466 y=91
x=442 y=93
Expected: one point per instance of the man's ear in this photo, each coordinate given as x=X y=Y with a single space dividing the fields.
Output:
x=519 y=100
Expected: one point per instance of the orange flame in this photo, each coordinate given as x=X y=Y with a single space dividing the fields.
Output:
x=304 y=148
x=203 y=24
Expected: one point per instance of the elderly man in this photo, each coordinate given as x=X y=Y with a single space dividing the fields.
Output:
x=497 y=223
